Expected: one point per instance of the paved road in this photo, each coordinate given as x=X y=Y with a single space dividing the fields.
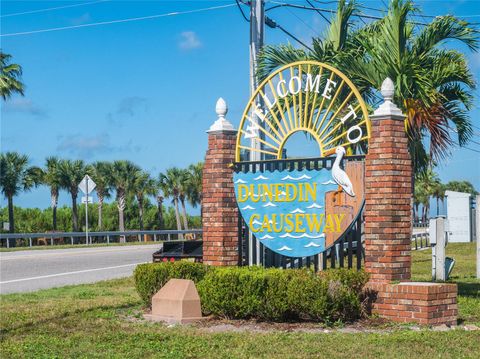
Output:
x=26 y=271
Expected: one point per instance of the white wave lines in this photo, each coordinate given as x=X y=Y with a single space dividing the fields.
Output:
x=304 y=235
x=269 y=204
x=266 y=237
x=240 y=181
x=328 y=182
x=311 y=244
x=284 y=248
x=288 y=177
x=314 y=205
x=258 y=178
x=298 y=210
x=248 y=207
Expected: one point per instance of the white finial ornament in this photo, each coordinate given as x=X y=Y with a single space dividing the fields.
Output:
x=221 y=124
x=387 y=89
x=388 y=108
x=221 y=108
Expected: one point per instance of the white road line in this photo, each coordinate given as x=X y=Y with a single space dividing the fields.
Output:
x=69 y=273
x=66 y=253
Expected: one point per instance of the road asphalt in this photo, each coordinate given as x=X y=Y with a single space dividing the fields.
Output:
x=30 y=270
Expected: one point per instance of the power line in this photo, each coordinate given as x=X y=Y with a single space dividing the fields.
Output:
x=323 y=16
x=274 y=25
x=117 y=21
x=53 y=8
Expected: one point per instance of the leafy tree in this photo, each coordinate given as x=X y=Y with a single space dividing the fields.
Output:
x=71 y=173
x=100 y=172
x=170 y=184
x=16 y=176
x=123 y=178
x=461 y=186
x=143 y=185
x=51 y=178
x=10 y=77
x=433 y=84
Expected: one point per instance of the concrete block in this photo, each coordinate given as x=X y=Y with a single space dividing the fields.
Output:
x=176 y=302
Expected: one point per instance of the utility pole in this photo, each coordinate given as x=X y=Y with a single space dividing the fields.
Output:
x=257 y=21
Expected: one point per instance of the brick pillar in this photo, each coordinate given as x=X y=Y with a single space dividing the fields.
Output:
x=219 y=207
x=388 y=194
x=388 y=227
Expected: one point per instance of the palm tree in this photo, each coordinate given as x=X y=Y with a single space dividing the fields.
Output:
x=123 y=178
x=194 y=192
x=71 y=173
x=16 y=176
x=143 y=185
x=10 y=77
x=183 y=189
x=51 y=178
x=433 y=84
x=100 y=172
x=438 y=192
x=160 y=199
x=170 y=186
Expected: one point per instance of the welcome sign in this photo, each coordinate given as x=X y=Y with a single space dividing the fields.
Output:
x=299 y=213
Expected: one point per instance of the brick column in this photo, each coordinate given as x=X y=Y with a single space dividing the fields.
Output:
x=388 y=194
x=219 y=207
x=388 y=227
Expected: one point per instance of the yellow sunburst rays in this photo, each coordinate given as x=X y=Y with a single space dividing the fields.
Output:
x=329 y=126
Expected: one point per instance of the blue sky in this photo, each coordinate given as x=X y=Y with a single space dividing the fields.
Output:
x=146 y=90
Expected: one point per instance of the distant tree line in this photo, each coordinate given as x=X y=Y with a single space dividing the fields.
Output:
x=428 y=185
x=131 y=187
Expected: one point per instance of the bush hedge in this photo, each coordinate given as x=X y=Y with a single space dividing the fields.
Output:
x=266 y=294
x=150 y=277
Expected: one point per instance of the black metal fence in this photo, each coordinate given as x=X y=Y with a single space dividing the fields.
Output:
x=346 y=252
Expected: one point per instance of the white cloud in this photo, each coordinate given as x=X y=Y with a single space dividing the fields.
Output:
x=23 y=105
x=83 y=19
x=87 y=146
x=189 y=40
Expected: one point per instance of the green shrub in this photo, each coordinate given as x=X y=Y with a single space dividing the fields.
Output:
x=150 y=277
x=266 y=294
x=277 y=294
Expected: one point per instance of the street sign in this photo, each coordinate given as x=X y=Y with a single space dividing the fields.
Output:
x=84 y=199
x=87 y=185
x=6 y=226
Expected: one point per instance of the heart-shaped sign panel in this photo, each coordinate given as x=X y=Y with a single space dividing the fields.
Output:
x=299 y=213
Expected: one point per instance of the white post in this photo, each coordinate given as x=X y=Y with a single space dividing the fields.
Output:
x=432 y=232
x=477 y=233
x=438 y=242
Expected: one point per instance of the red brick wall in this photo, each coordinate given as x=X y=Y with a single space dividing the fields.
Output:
x=422 y=303
x=219 y=207
x=388 y=193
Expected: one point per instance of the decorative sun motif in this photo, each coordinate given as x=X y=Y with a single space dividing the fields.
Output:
x=303 y=96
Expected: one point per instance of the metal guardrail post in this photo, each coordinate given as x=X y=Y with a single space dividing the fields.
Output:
x=108 y=239
x=30 y=241
x=51 y=241
x=168 y=237
x=154 y=237
x=71 y=241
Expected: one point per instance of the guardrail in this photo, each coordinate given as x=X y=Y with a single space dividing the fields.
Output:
x=59 y=238
x=421 y=240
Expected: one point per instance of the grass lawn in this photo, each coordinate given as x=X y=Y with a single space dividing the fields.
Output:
x=99 y=320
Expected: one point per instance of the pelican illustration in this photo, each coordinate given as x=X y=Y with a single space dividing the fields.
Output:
x=340 y=176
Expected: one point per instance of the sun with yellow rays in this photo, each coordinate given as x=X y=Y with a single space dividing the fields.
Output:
x=304 y=96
